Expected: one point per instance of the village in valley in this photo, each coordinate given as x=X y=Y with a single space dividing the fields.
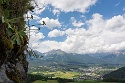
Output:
x=77 y=74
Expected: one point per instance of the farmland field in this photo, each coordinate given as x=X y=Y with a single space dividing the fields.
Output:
x=89 y=81
x=60 y=74
x=48 y=81
x=55 y=81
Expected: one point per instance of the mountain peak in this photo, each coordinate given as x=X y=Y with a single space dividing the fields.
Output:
x=58 y=51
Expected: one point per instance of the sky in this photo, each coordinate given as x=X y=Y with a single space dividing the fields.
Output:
x=78 y=26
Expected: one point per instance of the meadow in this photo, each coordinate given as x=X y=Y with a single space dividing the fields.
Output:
x=65 y=75
x=87 y=81
x=48 y=81
x=60 y=74
x=91 y=81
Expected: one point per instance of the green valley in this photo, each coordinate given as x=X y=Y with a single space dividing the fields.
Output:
x=88 y=81
x=60 y=66
x=59 y=74
x=48 y=81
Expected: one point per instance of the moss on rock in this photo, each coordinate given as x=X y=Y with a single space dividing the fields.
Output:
x=12 y=55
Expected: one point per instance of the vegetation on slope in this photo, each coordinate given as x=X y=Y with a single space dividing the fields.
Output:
x=13 y=39
x=115 y=76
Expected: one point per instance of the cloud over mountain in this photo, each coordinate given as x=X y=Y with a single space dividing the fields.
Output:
x=80 y=26
x=101 y=35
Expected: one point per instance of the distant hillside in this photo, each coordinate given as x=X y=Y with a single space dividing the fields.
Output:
x=111 y=58
x=58 y=57
x=118 y=75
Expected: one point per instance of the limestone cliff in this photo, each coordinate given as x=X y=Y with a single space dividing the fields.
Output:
x=13 y=41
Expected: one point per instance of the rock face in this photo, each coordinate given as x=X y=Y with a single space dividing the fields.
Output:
x=13 y=41
x=3 y=76
x=14 y=71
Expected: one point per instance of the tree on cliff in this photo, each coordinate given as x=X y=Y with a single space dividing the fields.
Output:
x=13 y=41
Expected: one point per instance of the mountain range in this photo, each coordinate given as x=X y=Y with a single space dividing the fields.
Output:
x=59 y=57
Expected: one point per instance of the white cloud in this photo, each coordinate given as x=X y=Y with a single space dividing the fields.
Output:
x=46 y=46
x=73 y=5
x=51 y=23
x=35 y=36
x=75 y=23
x=39 y=10
x=28 y=16
x=56 y=33
x=35 y=17
x=102 y=35
x=68 y=6
x=56 y=11
x=39 y=6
